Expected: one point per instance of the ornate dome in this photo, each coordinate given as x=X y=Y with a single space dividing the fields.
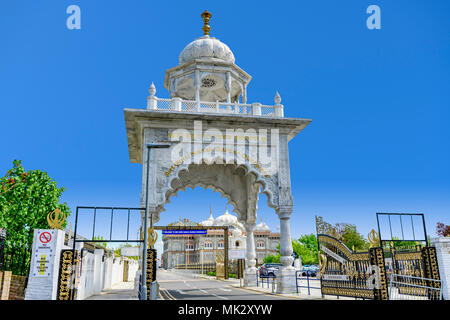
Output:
x=262 y=227
x=225 y=220
x=206 y=47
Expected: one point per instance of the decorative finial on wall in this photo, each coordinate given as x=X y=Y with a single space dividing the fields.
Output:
x=152 y=89
x=206 y=28
x=277 y=98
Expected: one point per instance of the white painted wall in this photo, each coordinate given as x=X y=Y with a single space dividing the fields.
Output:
x=442 y=246
x=98 y=275
x=98 y=271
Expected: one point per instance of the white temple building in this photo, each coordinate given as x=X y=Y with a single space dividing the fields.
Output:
x=210 y=135
x=187 y=249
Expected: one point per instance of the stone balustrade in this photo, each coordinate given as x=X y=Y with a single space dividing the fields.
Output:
x=180 y=105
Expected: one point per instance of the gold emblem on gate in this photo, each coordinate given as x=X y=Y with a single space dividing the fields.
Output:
x=374 y=238
x=152 y=237
x=56 y=219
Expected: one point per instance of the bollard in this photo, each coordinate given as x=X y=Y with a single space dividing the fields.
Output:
x=154 y=288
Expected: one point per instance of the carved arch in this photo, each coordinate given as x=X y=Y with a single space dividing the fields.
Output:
x=239 y=184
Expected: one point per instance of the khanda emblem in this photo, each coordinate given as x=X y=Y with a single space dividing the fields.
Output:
x=374 y=238
x=56 y=219
x=152 y=237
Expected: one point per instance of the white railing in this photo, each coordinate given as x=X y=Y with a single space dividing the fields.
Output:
x=402 y=287
x=178 y=104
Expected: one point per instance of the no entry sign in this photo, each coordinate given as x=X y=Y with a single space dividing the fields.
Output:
x=45 y=237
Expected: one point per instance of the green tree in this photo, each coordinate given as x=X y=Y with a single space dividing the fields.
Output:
x=103 y=244
x=272 y=258
x=25 y=200
x=403 y=245
x=306 y=248
x=352 y=239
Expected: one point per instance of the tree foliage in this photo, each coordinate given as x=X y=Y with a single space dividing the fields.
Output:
x=305 y=247
x=271 y=258
x=353 y=239
x=25 y=200
x=442 y=230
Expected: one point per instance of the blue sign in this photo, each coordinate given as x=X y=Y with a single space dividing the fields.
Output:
x=184 y=231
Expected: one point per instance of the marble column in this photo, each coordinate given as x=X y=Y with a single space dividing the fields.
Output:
x=286 y=274
x=250 y=258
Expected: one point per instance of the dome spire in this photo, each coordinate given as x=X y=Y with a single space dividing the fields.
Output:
x=206 y=28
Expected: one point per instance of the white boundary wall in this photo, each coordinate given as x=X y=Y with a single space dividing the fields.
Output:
x=442 y=246
x=99 y=270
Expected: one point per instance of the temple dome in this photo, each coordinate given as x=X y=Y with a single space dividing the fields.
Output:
x=225 y=220
x=206 y=47
x=262 y=227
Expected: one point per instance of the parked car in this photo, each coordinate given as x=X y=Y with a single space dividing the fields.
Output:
x=269 y=269
x=310 y=270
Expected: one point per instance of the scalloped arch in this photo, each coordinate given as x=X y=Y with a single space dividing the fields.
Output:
x=174 y=184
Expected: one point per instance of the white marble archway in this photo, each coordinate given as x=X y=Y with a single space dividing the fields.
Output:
x=239 y=182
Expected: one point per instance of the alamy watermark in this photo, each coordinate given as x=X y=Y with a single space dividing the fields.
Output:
x=74 y=20
x=374 y=20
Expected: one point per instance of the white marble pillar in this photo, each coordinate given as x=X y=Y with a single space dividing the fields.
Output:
x=250 y=256
x=442 y=246
x=286 y=274
x=197 y=84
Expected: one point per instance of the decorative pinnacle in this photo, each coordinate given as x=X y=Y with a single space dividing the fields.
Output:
x=277 y=98
x=206 y=28
x=152 y=90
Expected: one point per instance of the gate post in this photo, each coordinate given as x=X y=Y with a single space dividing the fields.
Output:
x=151 y=275
x=377 y=259
x=67 y=280
x=45 y=260
x=442 y=245
x=431 y=270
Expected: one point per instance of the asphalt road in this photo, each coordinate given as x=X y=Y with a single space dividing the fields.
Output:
x=183 y=286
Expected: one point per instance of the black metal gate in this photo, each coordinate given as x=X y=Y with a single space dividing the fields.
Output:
x=70 y=265
x=366 y=275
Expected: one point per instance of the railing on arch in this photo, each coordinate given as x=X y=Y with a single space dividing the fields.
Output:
x=178 y=104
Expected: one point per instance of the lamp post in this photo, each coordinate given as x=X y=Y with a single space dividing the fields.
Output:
x=144 y=269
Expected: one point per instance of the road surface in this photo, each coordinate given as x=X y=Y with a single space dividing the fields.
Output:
x=185 y=286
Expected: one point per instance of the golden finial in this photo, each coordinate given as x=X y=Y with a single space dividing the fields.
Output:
x=374 y=239
x=56 y=219
x=206 y=28
x=152 y=237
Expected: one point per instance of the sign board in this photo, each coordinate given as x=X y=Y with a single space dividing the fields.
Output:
x=44 y=253
x=335 y=277
x=184 y=231
x=236 y=254
x=332 y=254
x=129 y=251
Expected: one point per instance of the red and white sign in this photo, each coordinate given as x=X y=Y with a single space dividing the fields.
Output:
x=45 y=237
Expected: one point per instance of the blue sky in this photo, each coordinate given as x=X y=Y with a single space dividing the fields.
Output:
x=379 y=99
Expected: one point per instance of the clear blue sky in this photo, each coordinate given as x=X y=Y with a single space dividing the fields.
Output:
x=379 y=99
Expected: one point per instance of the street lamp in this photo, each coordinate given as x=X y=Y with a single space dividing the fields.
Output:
x=144 y=269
